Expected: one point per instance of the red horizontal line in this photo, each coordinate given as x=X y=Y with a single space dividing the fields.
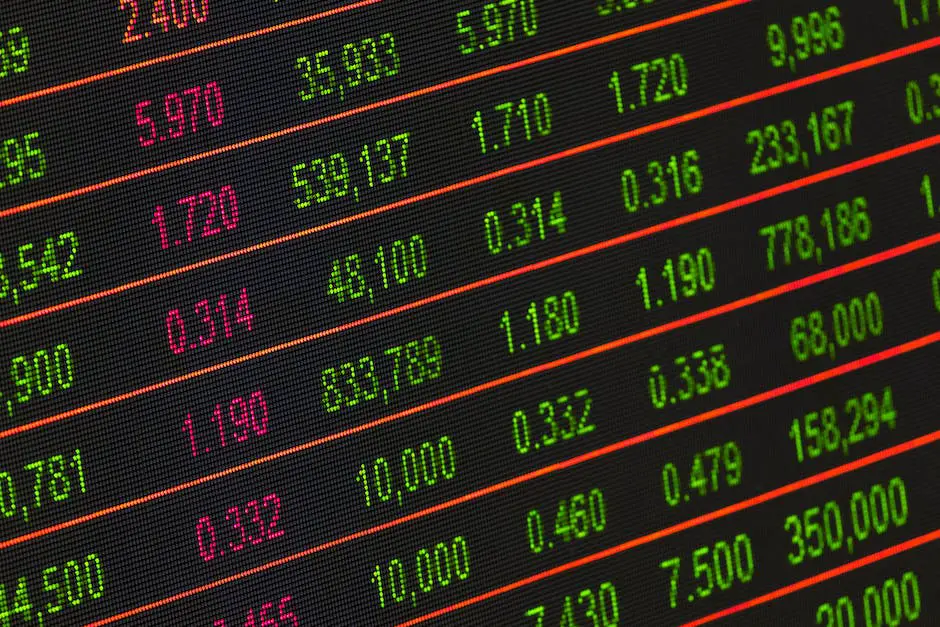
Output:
x=424 y=91
x=684 y=526
x=813 y=279
x=892 y=551
x=94 y=78
x=792 y=487
x=800 y=183
x=707 y=416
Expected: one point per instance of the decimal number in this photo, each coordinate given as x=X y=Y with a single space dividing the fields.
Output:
x=564 y=418
x=362 y=63
x=177 y=117
x=800 y=239
x=45 y=372
x=55 y=479
x=821 y=333
x=524 y=224
x=914 y=13
x=23 y=160
x=14 y=52
x=552 y=319
x=39 y=263
x=394 y=265
x=60 y=588
x=245 y=418
x=496 y=24
x=689 y=377
x=894 y=601
x=336 y=176
x=576 y=518
x=211 y=319
x=723 y=565
x=685 y=277
x=245 y=526
x=658 y=81
x=433 y=568
x=673 y=178
x=830 y=430
x=162 y=13
x=415 y=468
x=208 y=214
x=807 y=36
x=371 y=378
x=827 y=529
x=782 y=144
x=526 y=119
x=591 y=606
x=712 y=469
x=270 y=614
x=921 y=108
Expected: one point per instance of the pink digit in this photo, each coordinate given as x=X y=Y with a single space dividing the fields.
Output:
x=229 y=208
x=161 y=225
x=191 y=201
x=188 y=426
x=195 y=92
x=208 y=230
x=143 y=120
x=239 y=406
x=217 y=418
x=177 y=338
x=207 y=320
x=173 y=105
x=207 y=551
x=256 y=400
x=218 y=115
x=220 y=308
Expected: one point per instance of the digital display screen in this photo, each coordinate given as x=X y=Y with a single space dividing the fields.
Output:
x=582 y=313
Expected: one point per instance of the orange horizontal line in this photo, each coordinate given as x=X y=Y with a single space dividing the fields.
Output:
x=424 y=91
x=683 y=526
x=858 y=264
x=884 y=554
x=175 y=56
x=650 y=435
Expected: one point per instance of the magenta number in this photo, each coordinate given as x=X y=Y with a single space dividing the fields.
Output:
x=208 y=208
x=248 y=417
x=181 y=110
x=266 y=616
x=252 y=524
x=208 y=315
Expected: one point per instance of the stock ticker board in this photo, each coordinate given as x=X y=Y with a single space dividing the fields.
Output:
x=568 y=313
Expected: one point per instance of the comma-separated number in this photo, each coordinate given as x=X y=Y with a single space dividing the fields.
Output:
x=914 y=13
x=242 y=419
x=597 y=607
x=553 y=421
x=270 y=614
x=872 y=512
x=54 y=479
x=57 y=588
x=14 y=52
x=673 y=178
x=802 y=239
x=38 y=264
x=378 y=377
x=524 y=223
x=245 y=526
x=551 y=319
x=23 y=160
x=360 y=64
x=415 y=468
x=848 y=323
x=711 y=470
x=496 y=24
x=689 y=377
x=207 y=323
x=207 y=214
x=831 y=429
x=156 y=16
x=576 y=517
x=723 y=565
x=337 y=176
x=782 y=144
x=685 y=277
x=807 y=36
x=36 y=375
x=188 y=112
x=888 y=604
x=394 y=265
x=401 y=580
x=656 y=82
x=523 y=120
x=614 y=7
